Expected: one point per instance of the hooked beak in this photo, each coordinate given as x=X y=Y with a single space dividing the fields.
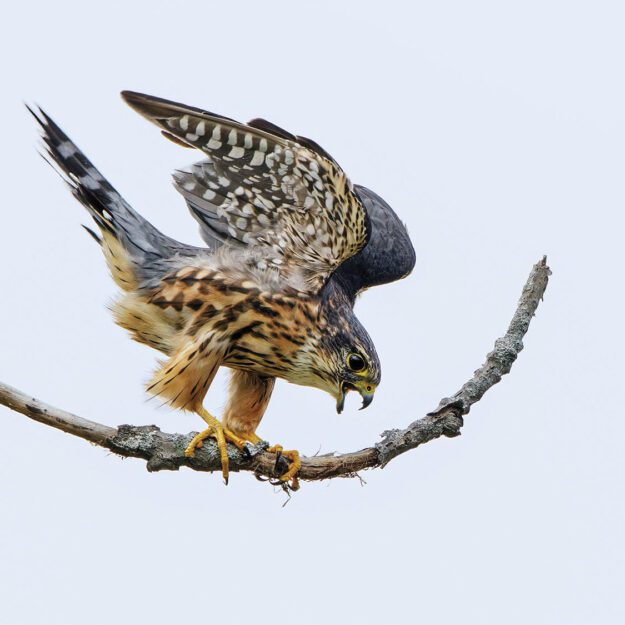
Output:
x=366 y=390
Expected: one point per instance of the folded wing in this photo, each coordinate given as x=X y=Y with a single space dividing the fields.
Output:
x=388 y=255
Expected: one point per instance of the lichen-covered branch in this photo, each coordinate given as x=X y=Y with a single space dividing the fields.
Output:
x=164 y=451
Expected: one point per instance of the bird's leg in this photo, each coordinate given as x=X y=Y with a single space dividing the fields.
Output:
x=249 y=395
x=222 y=435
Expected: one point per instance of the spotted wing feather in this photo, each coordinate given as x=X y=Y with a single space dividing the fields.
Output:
x=260 y=187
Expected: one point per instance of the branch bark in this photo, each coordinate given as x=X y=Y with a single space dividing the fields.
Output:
x=164 y=451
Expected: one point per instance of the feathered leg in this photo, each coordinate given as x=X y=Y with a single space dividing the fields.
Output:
x=249 y=396
x=184 y=380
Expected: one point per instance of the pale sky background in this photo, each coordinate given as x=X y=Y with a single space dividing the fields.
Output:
x=496 y=131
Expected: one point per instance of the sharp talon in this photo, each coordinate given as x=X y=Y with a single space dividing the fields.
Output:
x=216 y=431
x=286 y=466
x=292 y=466
x=278 y=458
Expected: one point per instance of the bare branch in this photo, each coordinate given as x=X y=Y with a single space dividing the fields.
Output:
x=55 y=417
x=164 y=451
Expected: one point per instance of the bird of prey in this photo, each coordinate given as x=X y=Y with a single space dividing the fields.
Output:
x=290 y=243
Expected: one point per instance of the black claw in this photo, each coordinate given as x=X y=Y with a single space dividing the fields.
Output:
x=278 y=459
x=226 y=481
x=282 y=464
x=247 y=450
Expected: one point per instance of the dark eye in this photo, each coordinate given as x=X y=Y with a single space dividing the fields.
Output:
x=356 y=362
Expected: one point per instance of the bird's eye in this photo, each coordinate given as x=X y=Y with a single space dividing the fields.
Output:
x=356 y=362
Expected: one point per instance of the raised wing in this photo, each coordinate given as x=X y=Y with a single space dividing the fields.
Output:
x=388 y=255
x=263 y=187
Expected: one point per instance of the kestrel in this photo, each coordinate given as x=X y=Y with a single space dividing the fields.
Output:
x=290 y=244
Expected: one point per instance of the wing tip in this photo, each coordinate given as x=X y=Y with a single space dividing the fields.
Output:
x=133 y=98
x=155 y=108
x=139 y=102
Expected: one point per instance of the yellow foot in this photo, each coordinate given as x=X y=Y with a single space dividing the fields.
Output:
x=292 y=455
x=222 y=435
x=295 y=466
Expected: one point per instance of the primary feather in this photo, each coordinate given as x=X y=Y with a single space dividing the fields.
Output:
x=265 y=188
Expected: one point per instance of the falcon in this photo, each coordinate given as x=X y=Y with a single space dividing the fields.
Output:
x=290 y=244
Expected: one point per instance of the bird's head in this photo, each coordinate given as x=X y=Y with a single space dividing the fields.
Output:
x=361 y=374
x=349 y=361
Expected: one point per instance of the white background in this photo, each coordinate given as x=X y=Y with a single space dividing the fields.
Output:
x=496 y=131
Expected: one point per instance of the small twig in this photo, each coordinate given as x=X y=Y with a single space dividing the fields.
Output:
x=164 y=451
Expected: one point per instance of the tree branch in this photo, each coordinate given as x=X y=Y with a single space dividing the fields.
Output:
x=164 y=451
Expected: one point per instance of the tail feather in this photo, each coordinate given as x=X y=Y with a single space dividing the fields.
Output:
x=135 y=251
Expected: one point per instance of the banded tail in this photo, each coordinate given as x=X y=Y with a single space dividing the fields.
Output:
x=135 y=251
